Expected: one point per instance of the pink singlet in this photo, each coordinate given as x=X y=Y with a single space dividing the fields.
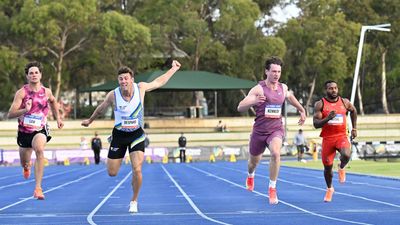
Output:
x=36 y=118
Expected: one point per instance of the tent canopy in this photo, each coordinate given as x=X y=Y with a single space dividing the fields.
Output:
x=185 y=81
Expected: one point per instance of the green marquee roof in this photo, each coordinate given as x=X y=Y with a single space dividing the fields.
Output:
x=185 y=81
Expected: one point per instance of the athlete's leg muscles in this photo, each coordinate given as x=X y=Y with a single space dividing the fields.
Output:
x=275 y=149
x=113 y=166
x=253 y=162
x=25 y=155
x=38 y=143
x=137 y=158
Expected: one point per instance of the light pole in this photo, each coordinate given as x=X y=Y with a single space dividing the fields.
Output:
x=379 y=27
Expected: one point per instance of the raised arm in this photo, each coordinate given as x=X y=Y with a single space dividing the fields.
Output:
x=100 y=110
x=14 y=110
x=161 y=80
x=254 y=97
x=54 y=108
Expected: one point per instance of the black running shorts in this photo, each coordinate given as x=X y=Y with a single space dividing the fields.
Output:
x=24 y=140
x=121 y=141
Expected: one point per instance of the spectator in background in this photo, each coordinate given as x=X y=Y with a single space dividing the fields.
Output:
x=301 y=144
x=84 y=143
x=182 y=148
x=96 y=147
x=221 y=127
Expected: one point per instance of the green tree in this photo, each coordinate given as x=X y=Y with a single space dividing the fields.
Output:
x=59 y=28
x=318 y=48
x=125 y=39
x=11 y=75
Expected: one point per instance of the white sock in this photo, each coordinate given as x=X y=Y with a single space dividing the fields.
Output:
x=272 y=183
x=251 y=174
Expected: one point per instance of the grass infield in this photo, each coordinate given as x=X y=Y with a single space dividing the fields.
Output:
x=380 y=168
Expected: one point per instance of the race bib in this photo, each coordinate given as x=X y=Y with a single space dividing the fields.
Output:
x=33 y=121
x=337 y=120
x=273 y=111
x=129 y=123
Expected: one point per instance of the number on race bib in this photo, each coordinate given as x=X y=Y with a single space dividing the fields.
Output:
x=130 y=123
x=33 y=121
x=337 y=120
x=273 y=111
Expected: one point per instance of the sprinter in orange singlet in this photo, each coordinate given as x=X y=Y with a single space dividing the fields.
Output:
x=330 y=115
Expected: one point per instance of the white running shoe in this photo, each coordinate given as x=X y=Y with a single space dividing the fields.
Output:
x=133 y=207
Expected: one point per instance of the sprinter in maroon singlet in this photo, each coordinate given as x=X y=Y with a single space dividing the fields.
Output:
x=267 y=98
x=31 y=105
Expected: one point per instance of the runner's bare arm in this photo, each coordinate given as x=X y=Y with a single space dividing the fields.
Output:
x=14 y=110
x=353 y=115
x=161 y=80
x=318 y=121
x=254 y=97
x=100 y=109
x=54 y=108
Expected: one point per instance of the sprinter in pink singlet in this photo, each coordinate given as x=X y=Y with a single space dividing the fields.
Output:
x=31 y=106
x=267 y=99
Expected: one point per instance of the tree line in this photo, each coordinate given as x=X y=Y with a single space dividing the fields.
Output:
x=83 y=42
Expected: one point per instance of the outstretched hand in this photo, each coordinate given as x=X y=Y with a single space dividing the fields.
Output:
x=302 y=118
x=60 y=124
x=85 y=123
x=176 y=65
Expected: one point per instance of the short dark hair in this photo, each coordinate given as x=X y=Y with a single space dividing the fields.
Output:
x=328 y=82
x=125 y=69
x=273 y=60
x=33 y=64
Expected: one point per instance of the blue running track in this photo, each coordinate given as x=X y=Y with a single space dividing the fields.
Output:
x=196 y=193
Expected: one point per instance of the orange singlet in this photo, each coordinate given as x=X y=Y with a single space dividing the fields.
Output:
x=334 y=135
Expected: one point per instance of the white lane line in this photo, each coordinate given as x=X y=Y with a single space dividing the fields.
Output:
x=196 y=209
x=52 y=189
x=322 y=189
x=348 y=181
x=33 y=180
x=89 y=218
x=10 y=176
x=285 y=203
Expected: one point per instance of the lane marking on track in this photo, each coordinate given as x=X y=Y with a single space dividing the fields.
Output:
x=348 y=182
x=10 y=176
x=283 y=202
x=323 y=189
x=156 y=214
x=33 y=180
x=196 y=209
x=51 y=189
x=89 y=218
